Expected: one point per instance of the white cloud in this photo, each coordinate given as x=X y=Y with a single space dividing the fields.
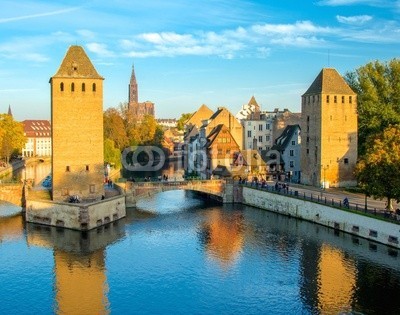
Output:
x=38 y=15
x=354 y=20
x=299 y=28
x=86 y=34
x=100 y=49
x=372 y=3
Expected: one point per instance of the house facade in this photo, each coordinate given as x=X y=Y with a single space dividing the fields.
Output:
x=38 y=138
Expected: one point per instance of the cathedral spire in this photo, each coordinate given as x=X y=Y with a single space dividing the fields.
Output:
x=9 y=110
x=133 y=88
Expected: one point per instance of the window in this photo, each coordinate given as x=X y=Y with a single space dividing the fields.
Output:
x=291 y=163
x=248 y=133
x=228 y=151
x=267 y=126
x=87 y=167
x=350 y=99
x=219 y=151
x=92 y=188
x=94 y=87
x=67 y=169
x=342 y=99
x=291 y=152
x=308 y=151
x=260 y=139
x=293 y=142
x=335 y=99
x=308 y=139
x=83 y=87
x=62 y=87
x=308 y=118
x=72 y=87
x=327 y=98
x=267 y=138
x=260 y=127
x=346 y=161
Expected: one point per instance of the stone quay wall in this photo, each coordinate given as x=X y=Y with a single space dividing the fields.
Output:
x=76 y=216
x=363 y=226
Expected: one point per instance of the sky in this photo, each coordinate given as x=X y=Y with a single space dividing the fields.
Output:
x=189 y=53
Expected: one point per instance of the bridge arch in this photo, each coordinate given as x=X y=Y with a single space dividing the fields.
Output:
x=137 y=190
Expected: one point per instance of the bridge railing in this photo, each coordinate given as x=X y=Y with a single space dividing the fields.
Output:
x=176 y=183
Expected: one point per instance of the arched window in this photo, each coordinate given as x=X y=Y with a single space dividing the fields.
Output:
x=83 y=87
x=62 y=86
x=94 y=87
x=72 y=87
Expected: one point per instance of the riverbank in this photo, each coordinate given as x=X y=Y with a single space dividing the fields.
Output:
x=322 y=213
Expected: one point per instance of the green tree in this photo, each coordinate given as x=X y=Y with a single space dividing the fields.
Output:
x=11 y=136
x=114 y=128
x=112 y=154
x=182 y=120
x=378 y=171
x=378 y=87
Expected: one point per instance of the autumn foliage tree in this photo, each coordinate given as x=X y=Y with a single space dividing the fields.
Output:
x=377 y=85
x=11 y=136
x=378 y=171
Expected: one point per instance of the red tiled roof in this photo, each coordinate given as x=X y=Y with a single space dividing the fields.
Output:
x=37 y=128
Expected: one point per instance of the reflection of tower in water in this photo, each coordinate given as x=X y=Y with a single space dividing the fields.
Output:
x=223 y=236
x=328 y=280
x=81 y=283
x=79 y=266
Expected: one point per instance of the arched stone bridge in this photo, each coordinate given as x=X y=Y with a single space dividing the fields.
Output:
x=13 y=193
x=220 y=188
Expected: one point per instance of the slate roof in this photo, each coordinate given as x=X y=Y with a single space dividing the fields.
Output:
x=329 y=81
x=283 y=140
x=76 y=64
x=252 y=158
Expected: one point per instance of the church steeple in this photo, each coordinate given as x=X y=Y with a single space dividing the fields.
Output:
x=133 y=88
x=9 y=111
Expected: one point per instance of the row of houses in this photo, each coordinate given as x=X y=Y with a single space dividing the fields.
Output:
x=317 y=146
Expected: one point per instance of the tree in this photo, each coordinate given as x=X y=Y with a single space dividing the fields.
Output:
x=11 y=136
x=378 y=87
x=112 y=154
x=146 y=132
x=378 y=171
x=182 y=120
x=114 y=128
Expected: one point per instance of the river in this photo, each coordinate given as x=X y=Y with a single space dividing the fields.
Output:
x=177 y=253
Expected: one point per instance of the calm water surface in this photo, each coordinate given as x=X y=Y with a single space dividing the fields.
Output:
x=180 y=254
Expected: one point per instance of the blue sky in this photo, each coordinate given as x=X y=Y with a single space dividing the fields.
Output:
x=186 y=53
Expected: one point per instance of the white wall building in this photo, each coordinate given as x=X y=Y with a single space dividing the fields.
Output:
x=38 y=134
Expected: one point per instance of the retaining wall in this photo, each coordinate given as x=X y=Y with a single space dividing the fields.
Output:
x=76 y=216
x=370 y=228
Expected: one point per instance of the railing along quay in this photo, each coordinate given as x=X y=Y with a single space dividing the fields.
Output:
x=361 y=209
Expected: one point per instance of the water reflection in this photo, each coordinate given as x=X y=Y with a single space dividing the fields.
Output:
x=222 y=236
x=180 y=254
x=79 y=266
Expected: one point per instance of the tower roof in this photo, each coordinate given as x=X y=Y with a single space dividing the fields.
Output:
x=253 y=102
x=76 y=64
x=329 y=81
x=9 y=110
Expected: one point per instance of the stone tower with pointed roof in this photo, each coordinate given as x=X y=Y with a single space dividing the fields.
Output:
x=77 y=122
x=329 y=132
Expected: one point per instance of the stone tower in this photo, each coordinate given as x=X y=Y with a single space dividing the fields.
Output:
x=329 y=132
x=77 y=122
